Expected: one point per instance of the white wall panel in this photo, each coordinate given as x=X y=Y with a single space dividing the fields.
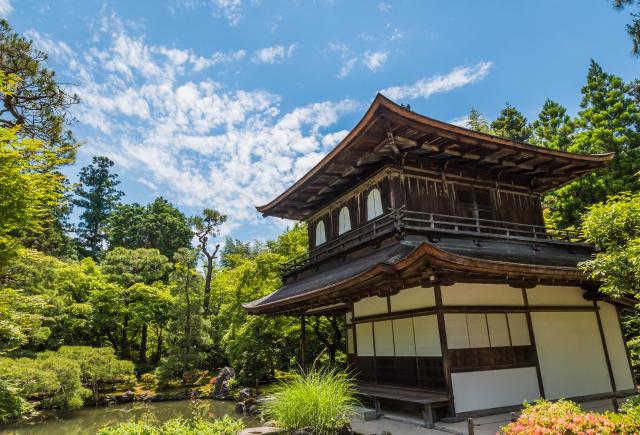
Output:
x=456 y=329
x=519 y=329
x=481 y=294
x=427 y=336
x=478 y=332
x=494 y=388
x=498 y=330
x=350 y=341
x=403 y=340
x=364 y=338
x=370 y=306
x=615 y=346
x=556 y=295
x=383 y=333
x=570 y=352
x=412 y=298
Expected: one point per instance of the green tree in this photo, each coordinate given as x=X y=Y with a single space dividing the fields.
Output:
x=476 y=121
x=157 y=225
x=608 y=122
x=206 y=226
x=98 y=196
x=21 y=318
x=128 y=267
x=553 y=128
x=188 y=330
x=29 y=188
x=39 y=104
x=511 y=124
x=633 y=29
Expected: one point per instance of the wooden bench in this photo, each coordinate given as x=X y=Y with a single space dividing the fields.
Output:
x=427 y=400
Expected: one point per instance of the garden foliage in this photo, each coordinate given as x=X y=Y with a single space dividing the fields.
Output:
x=319 y=400
x=178 y=426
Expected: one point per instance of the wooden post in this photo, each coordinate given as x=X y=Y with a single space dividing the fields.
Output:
x=437 y=290
x=303 y=342
x=532 y=340
x=614 y=400
x=470 y=427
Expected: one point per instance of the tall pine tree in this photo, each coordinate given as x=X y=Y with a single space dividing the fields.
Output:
x=608 y=122
x=98 y=196
x=511 y=124
x=553 y=128
x=476 y=121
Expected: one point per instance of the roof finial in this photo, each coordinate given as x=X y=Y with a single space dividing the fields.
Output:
x=406 y=106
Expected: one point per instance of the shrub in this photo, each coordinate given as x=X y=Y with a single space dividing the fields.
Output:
x=178 y=426
x=565 y=417
x=320 y=400
x=12 y=406
x=149 y=379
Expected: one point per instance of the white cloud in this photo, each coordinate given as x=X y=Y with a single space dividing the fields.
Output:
x=384 y=7
x=424 y=88
x=461 y=121
x=231 y=10
x=198 y=142
x=375 y=60
x=274 y=54
x=347 y=66
x=5 y=8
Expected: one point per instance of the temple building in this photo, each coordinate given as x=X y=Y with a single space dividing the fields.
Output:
x=430 y=239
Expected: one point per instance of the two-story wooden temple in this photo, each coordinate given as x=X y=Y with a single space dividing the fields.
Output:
x=430 y=238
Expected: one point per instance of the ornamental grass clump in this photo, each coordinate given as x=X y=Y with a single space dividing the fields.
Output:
x=566 y=417
x=319 y=400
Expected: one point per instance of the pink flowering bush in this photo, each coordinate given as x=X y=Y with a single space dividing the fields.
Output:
x=565 y=417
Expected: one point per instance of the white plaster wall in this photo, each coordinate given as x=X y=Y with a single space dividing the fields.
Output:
x=403 y=337
x=412 y=298
x=556 y=295
x=570 y=351
x=498 y=330
x=615 y=346
x=456 y=328
x=364 y=339
x=494 y=388
x=370 y=306
x=519 y=329
x=350 y=341
x=383 y=334
x=481 y=294
x=478 y=331
x=427 y=337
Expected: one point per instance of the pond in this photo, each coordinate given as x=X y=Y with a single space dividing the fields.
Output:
x=87 y=421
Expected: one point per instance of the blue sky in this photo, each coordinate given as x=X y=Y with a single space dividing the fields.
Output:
x=225 y=103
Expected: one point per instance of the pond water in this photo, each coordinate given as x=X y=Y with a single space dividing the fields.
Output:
x=87 y=421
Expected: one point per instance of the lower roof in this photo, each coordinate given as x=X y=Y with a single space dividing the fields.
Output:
x=349 y=279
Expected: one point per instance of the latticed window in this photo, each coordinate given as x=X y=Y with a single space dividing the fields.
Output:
x=321 y=235
x=374 y=204
x=344 y=221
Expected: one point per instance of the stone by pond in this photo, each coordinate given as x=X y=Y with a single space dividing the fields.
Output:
x=87 y=421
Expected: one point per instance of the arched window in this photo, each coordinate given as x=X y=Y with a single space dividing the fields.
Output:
x=344 y=221
x=374 y=204
x=321 y=235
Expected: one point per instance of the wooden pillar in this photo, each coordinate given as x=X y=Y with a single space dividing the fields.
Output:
x=303 y=342
x=532 y=339
x=446 y=366
x=626 y=348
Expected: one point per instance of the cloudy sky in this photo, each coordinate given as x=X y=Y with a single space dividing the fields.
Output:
x=225 y=103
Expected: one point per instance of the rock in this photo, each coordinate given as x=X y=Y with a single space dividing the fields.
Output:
x=240 y=408
x=252 y=410
x=261 y=430
x=126 y=397
x=245 y=393
x=221 y=387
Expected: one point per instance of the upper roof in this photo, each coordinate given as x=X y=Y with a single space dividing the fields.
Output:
x=388 y=130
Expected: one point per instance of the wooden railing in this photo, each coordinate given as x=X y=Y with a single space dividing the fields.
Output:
x=399 y=221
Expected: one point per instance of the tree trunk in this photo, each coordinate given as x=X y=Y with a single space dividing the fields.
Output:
x=143 y=345
x=158 y=354
x=187 y=331
x=207 y=285
x=124 y=345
